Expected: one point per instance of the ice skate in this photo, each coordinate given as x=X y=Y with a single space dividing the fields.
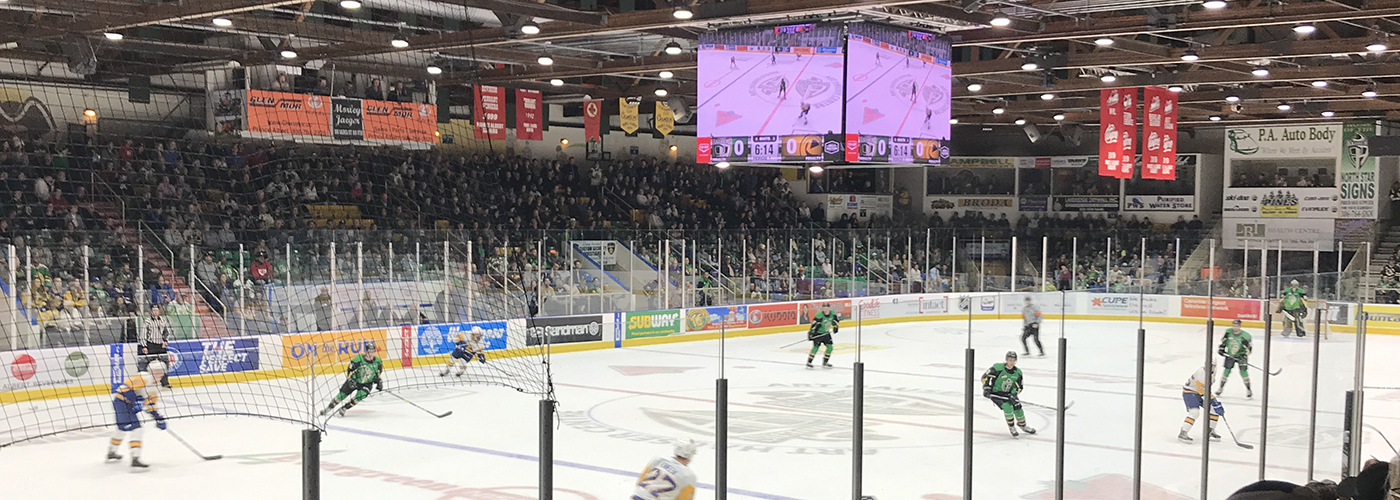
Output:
x=444 y=373
x=827 y=364
x=809 y=365
x=1214 y=437
x=113 y=456
x=1014 y=432
x=1220 y=389
x=1248 y=393
x=1183 y=437
x=1027 y=429
x=138 y=464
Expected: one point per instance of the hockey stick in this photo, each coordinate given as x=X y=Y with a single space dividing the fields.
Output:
x=415 y=405
x=1048 y=407
x=1275 y=372
x=191 y=448
x=795 y=343
x=1232 y=435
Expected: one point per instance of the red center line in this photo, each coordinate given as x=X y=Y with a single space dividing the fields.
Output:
x=911 y=106
x=785 y=93
x=1145 y=451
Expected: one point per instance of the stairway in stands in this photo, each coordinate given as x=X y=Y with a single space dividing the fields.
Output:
x=210 y=323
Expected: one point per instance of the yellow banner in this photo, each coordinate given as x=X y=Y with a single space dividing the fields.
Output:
x=627 y=113
x=665 y=119
x=323 y=348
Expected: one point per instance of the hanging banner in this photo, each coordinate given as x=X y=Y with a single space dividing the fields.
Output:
x=1110 y=147
x=1356 y=172
x=490 y=113
x=401 y=121
x=529 y=118
x=291 y=114
x=665 y=119
x=592 y=113
x=347 y=119
x=1127 y=132
x=1295 y=234
x=627 y=115
x=1159 y=133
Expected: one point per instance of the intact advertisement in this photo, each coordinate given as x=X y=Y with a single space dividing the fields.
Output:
x=1296 y=234
x=200 y=357
x=808 y=310
x=35 y=368
x=712 y=318
x=1225 y=308
x=995 y=203
x=1086 y=203
x=862 y=206
x=1290 y=142
x=400 y=121
x=603 y=252
x=1281 y=203
x=442 y=339
x=653 y=323
x=1158 y=203
x=1127 y=303
x=300 y=350
x=286 y=113
x=1356 y=172
x=1033 y=203
x=563 y=329
x=772 y=315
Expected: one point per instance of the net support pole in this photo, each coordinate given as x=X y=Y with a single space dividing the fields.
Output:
x=982 y=267
x=1176 y=267
x=1264 y=389
x=1138 y=385
x=391 y=261
x=721 y=424
x=1074 y=263
x=546 y=449
x=1108 y=265
x=1209 y=367
x=851 y=289
x=1278 y=268
x=719 y=263
x=1060 y=418
x=1245 y=269
x=471 y=280
x=331 y=319
x=446 y=282
x=194 y=311
x=1264 y=273
x=1011 y=287
x=1044 y=260
x=666 y=272
x=242 y=291
x=1316 y=372
x=14 y=300
x=87 y=281
x=1337 y=287
x=1317 y=254
x=969 y=380
x=857 y=429
x=928 y=264
x=359 y=282
x=1365 y=283
x=140 y=276
x=310 y=464
x=1353 y=432
x=953 y=270
x=288 y=286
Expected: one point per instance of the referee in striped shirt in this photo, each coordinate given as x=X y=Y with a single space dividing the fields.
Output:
x=152 y=339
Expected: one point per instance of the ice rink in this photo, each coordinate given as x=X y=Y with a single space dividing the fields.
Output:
x=746 y=94
x=891 y=94
x=790 y=427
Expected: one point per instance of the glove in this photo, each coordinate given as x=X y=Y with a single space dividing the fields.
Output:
x=379 y=384
x=836 y=328
x=1217 y=408
x=143 y=350
x=160 y=423
x=1220 y=351
x=986 y=391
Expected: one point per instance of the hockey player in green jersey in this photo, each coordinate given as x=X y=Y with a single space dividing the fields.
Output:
x=1002 y=384
x=824 y=323
x=1294 y=308
x=1235 y=347
x=364 y=371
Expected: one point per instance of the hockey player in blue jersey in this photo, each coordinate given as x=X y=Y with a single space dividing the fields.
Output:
x=467 y=349
x=137 y=394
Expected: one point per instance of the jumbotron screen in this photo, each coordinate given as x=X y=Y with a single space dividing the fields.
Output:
x=770 y=94
x=898 y=93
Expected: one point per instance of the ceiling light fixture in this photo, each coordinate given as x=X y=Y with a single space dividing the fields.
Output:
x=1047 y=96
x=223 y=22
x=1190 y=55
x=816 y=169
x=556 y=82
x=666 y=74
x=1108 y=78
x=1029 y=65
x=974 y=87
x=1370 y=92
x=1232 y=98
x=545 y=60
x=952 y=121
x=673 y=48
x=434 y=69
x=399 y=42
x=722 y=165
x=1377 y=46
x=1215 y=118
x=1020 y=121
x=1001 y=21
x=1328 y=114
x=998 y=110
x=90 y=113
x=1260 y=71
x=564 y=141
x=113 y=36
x=1103 y=41
x=289 y=54
x=530 y=28
x=1319 y=83
x=661 y=92
x=1059 y=118
x=1283 y=106
x=1214 y=4
x=682 y=12
x=1304 y=28
x=350 y=4
x=1175 y=89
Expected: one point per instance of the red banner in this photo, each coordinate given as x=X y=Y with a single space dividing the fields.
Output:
x=400 y=121
x=1231 y=309
x=1110 y=147
x=291 y=114
x=1127 y=131
x=528 y=116
x=490 y=113
x=1159 y=134
x=592 y=113
x=772 y=315
x=702 y=150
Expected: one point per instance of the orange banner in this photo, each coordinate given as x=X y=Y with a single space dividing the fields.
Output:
x=292 y=114
x=323 y=348
x=400 y=121
x=1231 y=309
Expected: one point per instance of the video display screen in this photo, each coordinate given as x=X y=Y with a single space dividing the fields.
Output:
x=770 y=94
x=898 y=95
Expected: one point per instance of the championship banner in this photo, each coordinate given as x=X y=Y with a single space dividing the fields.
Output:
x=1127 y=131
x=627 y=115
x=1110 y=149
x=665 y=119
x=291 y=114
x=592 y=113
x=529 y=118
x=1159 y=133
x=400 y=121
x=490 y=113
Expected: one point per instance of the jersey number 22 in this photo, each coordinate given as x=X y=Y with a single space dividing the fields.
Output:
x=657 y=482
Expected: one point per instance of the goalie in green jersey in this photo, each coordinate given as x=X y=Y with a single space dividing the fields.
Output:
x=1235 y=347
x=364 y=371
x=1294 y=308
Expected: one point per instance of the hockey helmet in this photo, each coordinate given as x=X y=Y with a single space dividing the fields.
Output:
x=370 y=346
x=1011 y=355
x=685 y=449
x=155 y=366
x=1293 y=283
x=1235 y=323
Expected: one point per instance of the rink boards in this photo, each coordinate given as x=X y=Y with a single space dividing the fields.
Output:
x=53 y=373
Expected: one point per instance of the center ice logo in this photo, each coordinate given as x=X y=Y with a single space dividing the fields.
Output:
x=775 y=86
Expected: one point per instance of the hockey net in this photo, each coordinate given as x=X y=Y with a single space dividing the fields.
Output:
x=1280 y=320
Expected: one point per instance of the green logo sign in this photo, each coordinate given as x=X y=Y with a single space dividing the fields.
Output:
x=76 y=365
x=653 y=323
